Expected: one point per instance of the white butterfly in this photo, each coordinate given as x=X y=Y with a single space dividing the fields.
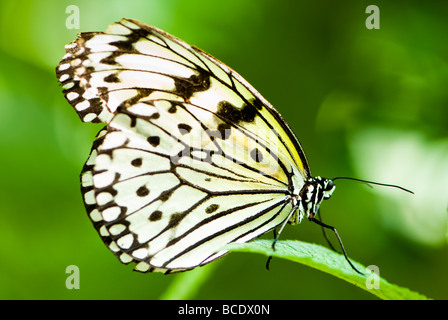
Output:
x=192 y=156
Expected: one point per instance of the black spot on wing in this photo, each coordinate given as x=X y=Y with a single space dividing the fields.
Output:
x=155 y=216
x=224 y=130
x=175 y=219
x=211 y=208
x=196 y=83
x=257 y=103
x=184 y=128
x=232 y=114
x=165 y=195
x=154 y=140
x=143 y=191
x=172 y=109
x=137 y=162
x=112 y=78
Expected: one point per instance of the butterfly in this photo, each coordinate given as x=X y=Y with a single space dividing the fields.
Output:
x=192 y=157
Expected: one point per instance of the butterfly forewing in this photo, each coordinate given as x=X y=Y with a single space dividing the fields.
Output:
x=192 y=157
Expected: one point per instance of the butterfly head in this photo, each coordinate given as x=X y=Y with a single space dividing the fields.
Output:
x=327 y=186
x=314 y=192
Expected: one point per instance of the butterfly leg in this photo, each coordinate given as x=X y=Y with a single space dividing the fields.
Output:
x=325 y=234
x=339 y=240
x=277 y=235
x=273 y=248
x=275 y=239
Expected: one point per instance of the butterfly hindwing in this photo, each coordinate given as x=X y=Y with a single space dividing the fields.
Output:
x=149 y=209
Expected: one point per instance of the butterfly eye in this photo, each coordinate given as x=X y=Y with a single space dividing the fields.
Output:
x=329 y=185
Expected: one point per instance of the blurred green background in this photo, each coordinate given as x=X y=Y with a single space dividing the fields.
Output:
x=370 y=104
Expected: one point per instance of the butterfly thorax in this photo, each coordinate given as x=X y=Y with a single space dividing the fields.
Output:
x=309 y=198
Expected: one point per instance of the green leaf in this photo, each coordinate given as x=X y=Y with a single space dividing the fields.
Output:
x=325 y=260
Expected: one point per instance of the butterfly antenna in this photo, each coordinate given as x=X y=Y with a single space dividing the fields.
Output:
x=372 y=182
